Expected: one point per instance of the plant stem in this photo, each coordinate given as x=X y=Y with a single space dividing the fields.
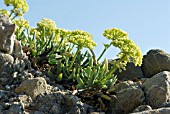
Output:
x=106 y=47
x=114 y=68
x=94 y=57
x=73 y=59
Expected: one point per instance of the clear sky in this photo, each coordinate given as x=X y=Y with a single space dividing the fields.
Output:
x=146 y=21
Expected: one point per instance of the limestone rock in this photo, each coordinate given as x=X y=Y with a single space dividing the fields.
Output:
x=128 y=95
x=157 y=89
x=32 y=87
x=155 y=61
x=6 y=34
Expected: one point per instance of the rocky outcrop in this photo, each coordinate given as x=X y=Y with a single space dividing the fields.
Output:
x=157 y=89
x=155 y=61
x=128 y=95
x=12 y=57
x=24 y=90
x=7 y=36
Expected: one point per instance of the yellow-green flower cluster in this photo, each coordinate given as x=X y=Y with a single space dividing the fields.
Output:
x=82 y=39
x=61 y=34
x=4 y=12
x=48 y=25
x=129 y=50
x=21 y=23
x=20 y=6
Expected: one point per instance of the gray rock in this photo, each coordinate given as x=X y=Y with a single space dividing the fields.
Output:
x=38 y=112
x=56 y=109
x=155 y=111
x=142 y=108
x=128 y=95
x=16 y=108
x=155 y=61
x=131 y=72
x=32 y=87
x=6 y=62
x=1 y=108
x=157 y=89
x=6 y=34
x=17 y=51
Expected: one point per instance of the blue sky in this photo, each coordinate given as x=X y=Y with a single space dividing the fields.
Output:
x=146 y=21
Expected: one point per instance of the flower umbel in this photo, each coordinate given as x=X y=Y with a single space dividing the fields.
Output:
x=48 y=25
x=82 y=39
x=129 y=50
x=20 y=7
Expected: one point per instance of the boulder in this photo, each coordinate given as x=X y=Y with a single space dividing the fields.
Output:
x=7 y=36
x=155 y=61
x=157 y=89
x=128 y=95
x=32 y=87
x=131 y=72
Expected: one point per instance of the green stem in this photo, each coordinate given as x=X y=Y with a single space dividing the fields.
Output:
x=106 y=47
x=114 y=68
x=11 y=14
x=73 y=59
x=14 y=17
x=94 y=57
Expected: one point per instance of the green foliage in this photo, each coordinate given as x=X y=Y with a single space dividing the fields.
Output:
x=95 y=76
x=62 y=49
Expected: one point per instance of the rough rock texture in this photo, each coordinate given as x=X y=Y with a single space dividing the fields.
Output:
x=61 y=103
x=155 y=111
x=142 y=108
x=155 y=61
x=6 y=62
x=157 y=89
x=6 y=34
x=128 y=95
x=33 y=87
x=131 y=72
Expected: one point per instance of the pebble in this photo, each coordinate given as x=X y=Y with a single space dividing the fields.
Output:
x=7 y=87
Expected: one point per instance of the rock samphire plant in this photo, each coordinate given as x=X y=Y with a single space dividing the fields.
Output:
x=61 y=50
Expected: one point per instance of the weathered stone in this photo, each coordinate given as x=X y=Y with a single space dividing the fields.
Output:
x=142 y=108
x=131 y=72
x=17 y=108
x=155 y=61
x=6 y=34
x=157 y=89
x=32 y=87
x=56 y=109
x=127 y=97
x=38 y=112
x=155 y=111
x=17 y=51
x=6 y=62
